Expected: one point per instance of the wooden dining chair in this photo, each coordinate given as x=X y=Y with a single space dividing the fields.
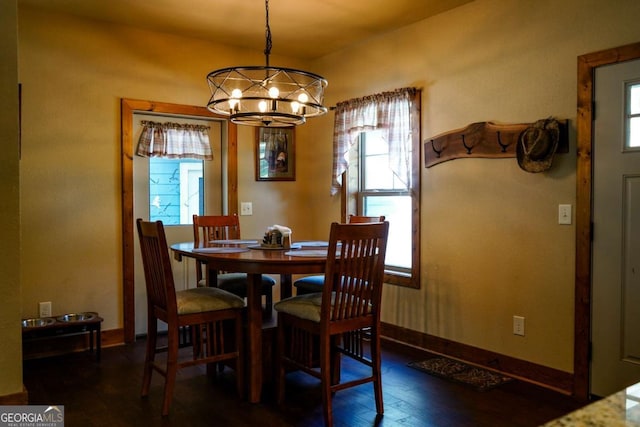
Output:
x=313 y=283
x=207 y=228
x=315 y=330
x=213 y=316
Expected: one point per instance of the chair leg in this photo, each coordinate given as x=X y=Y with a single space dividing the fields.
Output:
x=172 y=368
x=279 y=363
x=152 y=338
x=335 y=359
x=269 y=301
x=240 y=359
x=377 y=371
x=326 y=381
x=326 y=374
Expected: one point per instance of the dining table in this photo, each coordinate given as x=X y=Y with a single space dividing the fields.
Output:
x=248 y=256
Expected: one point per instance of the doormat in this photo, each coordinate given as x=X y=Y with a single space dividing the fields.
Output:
x=478 y=378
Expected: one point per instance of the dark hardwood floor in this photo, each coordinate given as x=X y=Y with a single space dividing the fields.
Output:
x=107 y=393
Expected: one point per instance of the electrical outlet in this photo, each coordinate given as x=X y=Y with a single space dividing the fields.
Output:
x=518 y=325
x=246 y=208
x=45 y=309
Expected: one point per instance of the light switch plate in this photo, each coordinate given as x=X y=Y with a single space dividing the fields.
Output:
x=518 y=325
x=246 y=208
x=564 y=214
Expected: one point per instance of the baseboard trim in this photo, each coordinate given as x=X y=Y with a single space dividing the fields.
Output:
x=419 y=342
x=113 y=337
x=412 y=341
x=21 y=398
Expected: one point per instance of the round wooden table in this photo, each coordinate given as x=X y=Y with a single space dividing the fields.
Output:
x=256 y=262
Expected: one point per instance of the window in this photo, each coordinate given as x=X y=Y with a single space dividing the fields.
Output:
x=632 y=121
x=381 y=193
x=373 y=188
x=176 y=152
x=176 y=190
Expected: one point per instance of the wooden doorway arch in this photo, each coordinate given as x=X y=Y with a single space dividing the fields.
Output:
x=584 y=168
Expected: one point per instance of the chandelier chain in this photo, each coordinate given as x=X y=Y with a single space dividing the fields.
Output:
x=268 y=43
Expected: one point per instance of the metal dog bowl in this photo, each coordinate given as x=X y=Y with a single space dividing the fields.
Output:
x=77 y=317
x=38 y=322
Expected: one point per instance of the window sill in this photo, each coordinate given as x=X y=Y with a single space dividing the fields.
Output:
x=401 y=279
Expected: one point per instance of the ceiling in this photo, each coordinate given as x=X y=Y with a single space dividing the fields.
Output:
x=300 y=28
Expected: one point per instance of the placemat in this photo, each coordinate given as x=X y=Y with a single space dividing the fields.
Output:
x=266 y=248
x=314 y=244
x=219 y=250
x=315 y=253
x=233 y=242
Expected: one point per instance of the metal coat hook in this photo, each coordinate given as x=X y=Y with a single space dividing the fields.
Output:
x=433 y=146
x=466 y=146
x=503 y=146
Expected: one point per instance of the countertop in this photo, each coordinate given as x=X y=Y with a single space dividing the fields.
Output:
x=619 y=409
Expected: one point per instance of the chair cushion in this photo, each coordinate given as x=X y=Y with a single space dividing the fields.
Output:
x=305 y=306
x=236 y=283
x=199 y=300
x=309 y=284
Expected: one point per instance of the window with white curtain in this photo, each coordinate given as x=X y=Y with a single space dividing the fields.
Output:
x=376 y=167
x=176 y=153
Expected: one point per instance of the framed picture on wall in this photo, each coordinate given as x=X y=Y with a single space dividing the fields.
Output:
x=275 y=154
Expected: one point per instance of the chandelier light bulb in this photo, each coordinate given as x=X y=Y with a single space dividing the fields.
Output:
x=295 y=106
x=262 y=106
x=303 y=98
x=234 y=102
x=274 y=92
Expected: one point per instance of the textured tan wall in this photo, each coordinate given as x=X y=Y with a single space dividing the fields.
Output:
x=491 y=245
x=10 y=332
x=74 y=74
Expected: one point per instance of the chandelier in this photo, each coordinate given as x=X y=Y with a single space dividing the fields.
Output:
x=266 y=96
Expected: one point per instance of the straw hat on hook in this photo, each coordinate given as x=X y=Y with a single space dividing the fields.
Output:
x=537 y=145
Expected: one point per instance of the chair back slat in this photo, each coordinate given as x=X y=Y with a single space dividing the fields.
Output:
x=214 y=227
x=360 y=219
x=354 y=270
x=157 y=267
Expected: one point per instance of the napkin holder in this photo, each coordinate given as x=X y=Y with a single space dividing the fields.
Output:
x=278 y=236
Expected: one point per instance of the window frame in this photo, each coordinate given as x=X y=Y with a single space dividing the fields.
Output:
x=629 y=116
x=352 y=199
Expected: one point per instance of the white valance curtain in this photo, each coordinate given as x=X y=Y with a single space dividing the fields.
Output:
x=388 y=112
x=174 y=141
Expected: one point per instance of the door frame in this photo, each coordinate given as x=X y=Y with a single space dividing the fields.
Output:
x=128 y=108
x=584 y=194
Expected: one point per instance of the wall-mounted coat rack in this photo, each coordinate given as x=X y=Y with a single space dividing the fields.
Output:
x=483 y=139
